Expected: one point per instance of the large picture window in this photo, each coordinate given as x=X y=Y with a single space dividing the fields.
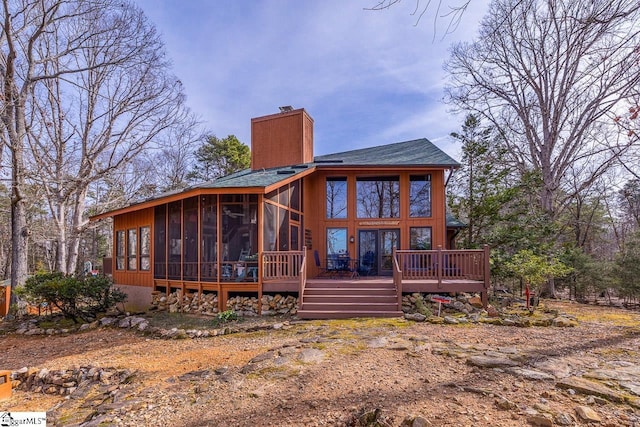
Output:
x=378 y=197
x=420 y=196
x=336 y=197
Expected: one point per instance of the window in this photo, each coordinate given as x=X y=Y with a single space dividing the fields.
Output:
x=283 y=229
x=336 y=240
x=336 y=197
x=295 y=195
x=120 y=246
x=420 y=238
x=420 y=196
x=132 y=249
x=378 y=197
x=145 y=248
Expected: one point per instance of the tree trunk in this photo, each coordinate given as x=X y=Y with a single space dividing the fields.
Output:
x=78 y=226
x=19 y=229
x=61 y=228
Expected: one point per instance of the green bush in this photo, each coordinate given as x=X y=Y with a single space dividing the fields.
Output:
x=226 y=316
x=78 y=298
x=422 y=308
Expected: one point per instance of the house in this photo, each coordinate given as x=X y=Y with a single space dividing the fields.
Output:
x=371 y=220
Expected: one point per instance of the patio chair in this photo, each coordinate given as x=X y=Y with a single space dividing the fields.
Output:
x=321 y=270
x=367 y=265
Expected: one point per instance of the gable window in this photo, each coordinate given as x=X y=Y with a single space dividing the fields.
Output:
x=420 y=196
x=336 y=197
x=120 y=247
x=378 y=197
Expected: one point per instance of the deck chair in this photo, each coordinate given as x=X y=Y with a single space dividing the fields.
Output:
x=321 y=270
x=367 y=264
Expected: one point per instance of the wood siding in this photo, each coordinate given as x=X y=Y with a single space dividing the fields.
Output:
x=281 y=140
x=141 y=218
x=315 y=209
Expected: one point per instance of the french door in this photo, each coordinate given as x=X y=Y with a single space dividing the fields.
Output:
x=375 y=251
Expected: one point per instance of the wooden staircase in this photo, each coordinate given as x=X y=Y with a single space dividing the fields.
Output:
x=339 y=299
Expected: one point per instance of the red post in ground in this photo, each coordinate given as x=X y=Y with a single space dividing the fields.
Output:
x=5 y=385
x=5 y=300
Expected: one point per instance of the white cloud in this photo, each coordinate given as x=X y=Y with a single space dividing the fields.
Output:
x=366 y=77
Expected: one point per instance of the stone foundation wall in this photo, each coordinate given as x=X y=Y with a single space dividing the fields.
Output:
x=207 y=304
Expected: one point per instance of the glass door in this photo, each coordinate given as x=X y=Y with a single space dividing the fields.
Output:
x=368 y=252
x=388 y=240
x=375 y=251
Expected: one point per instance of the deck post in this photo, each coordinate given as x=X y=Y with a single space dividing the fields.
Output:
x=487 y=276
x=439 y=266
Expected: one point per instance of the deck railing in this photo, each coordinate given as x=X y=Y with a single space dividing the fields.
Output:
x=443 y=264
x=282 y=266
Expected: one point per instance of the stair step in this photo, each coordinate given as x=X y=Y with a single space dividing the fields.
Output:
x=353 y=285
x=350 y=307
x=341 y=299
x=350 y=291
x=362 y=299
x=338 y=314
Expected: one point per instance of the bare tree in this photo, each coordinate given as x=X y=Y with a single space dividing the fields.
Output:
x=87 y=88
x=452 y=11
x=174 y=159
x=551 y=75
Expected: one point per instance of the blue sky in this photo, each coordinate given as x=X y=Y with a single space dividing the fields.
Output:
x=366 y=77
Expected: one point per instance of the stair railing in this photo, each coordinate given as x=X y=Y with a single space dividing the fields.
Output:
x=303 y=277
x=397 y=278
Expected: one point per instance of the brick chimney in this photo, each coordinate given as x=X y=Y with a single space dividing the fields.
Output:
x=282 y=139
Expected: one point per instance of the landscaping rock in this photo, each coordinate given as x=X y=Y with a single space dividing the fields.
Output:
x=490 y=362
x=584 y=386
x=587 y=414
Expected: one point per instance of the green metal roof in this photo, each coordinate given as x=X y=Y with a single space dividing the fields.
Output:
x=415 y=153
x=454 y=222
x=418 y=152
x=257 y=178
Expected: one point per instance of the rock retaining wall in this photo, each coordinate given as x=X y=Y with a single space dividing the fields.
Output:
x=463 y=303
x=66 y=382
x=207 y=304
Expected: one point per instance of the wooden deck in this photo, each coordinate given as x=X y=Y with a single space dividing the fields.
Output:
x=350 y=295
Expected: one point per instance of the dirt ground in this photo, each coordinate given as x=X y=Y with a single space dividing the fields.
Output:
x=345 y=373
